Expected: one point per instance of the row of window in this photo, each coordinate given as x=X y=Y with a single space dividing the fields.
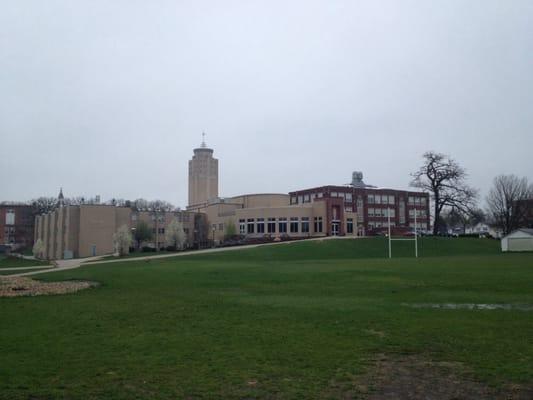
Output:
x=161 y=218
x=293 y=225
x=371 y=198
x=380 y=199
x=417 y=201
x=419 y=213
x=382 y=212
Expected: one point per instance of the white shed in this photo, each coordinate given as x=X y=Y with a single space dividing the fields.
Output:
x=519 y=240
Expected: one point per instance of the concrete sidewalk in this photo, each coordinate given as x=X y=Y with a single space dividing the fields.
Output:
x=63 y=265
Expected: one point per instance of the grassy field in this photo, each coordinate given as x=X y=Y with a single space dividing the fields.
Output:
x=14 y=262
x=287 y=321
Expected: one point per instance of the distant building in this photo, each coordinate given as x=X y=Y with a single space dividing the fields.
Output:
x=519 y=240
x=203 y=176
x=16 y=225
x=372 y=206
x=87 y=230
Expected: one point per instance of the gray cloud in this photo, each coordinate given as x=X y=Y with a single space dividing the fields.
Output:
x=110 y=98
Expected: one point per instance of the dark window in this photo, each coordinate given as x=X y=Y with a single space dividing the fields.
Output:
x=260 y=225
x=282 y=225
x=305 y=224
x=271 y=225
x=294 y=225
x=251 y=225
x=349 y=225
x=318 y=224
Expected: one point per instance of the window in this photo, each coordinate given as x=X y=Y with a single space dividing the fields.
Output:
x=221 y=227
x=294 y=200
x=10 y=217
x=319 y=195
x=377 y=199
x=334 y=194
x=134 y=217
x=271 y=225
x=370 y=199
x=300 y=199
x=307 y=199
x=411 y=201
x=260 y=225
x=348 y=197
x=251 y=225
x=282 y=225
x=294 y=225
x=242 y=226
x=348 y=208
x=391 y=200
x=318 y=224
x=349 y=225
x=305 y=224
x=370 y=212
x=161 y=230
x=186 y=230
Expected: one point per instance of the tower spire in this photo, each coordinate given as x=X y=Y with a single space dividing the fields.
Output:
x=203 y=141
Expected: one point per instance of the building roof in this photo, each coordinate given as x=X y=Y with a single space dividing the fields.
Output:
x=527 y=231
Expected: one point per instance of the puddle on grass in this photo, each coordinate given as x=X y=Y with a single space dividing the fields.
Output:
x=471 y=306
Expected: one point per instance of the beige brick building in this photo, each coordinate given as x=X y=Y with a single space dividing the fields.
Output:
x=203 y=176
x=257 y=216
x=87 y=230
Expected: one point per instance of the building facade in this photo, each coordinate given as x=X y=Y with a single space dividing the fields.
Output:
x=203 y=176
x=87 y=230
x=372 y=206
x=270 y=216
x=16 y=225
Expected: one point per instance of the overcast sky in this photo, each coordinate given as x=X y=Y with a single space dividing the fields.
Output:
x=110 y=97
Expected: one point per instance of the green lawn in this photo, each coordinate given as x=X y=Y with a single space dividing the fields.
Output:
x=14 y=262
x=294 y=318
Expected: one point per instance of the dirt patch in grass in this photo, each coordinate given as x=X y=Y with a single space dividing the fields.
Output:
x=21 y=286
x=416 y=378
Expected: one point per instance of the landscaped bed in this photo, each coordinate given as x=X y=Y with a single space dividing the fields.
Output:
x=23 y=286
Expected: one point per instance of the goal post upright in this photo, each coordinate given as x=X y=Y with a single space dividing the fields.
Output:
x=390 y=243
x=415 y=239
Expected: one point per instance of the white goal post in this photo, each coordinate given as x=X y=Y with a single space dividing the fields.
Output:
x=415 y=239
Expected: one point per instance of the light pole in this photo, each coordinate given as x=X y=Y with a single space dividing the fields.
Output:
x=213 y=229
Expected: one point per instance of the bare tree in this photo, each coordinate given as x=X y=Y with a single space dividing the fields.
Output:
x=445 y=179
x=503 y=199
x=43 y=205
x=160 y=206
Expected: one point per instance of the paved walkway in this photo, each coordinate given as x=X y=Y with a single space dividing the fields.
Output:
x=26 y=268
x=63 y=265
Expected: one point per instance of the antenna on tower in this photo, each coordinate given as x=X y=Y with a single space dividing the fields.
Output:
x=203 y=140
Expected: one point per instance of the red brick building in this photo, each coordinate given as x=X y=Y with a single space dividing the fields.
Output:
x=16 y=225
x=372 y=206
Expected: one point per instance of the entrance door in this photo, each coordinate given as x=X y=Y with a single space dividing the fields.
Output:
x=335 y=228
x=93 y=250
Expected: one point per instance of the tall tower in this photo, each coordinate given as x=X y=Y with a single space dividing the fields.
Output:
x=203 y=175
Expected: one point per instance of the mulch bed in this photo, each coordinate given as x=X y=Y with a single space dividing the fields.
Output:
x=21 y=286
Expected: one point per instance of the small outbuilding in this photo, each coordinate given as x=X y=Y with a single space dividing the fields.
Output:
x=519 y=240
